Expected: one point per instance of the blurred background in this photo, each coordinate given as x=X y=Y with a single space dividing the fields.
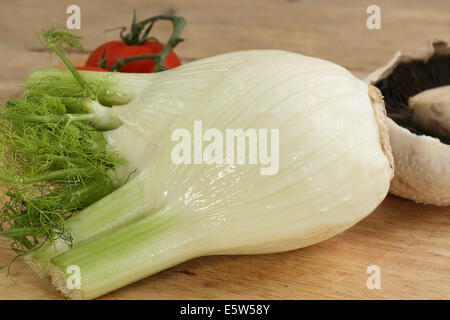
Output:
x=335 y=30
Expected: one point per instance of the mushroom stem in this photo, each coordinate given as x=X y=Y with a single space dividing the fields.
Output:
x=431 y=111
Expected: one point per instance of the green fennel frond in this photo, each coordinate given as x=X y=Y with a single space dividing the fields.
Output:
x=62 y=39
x=54 y=161
x=52 y=164
x=58 y=41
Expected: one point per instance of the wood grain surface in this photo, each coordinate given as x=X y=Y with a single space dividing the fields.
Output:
x=409 y=242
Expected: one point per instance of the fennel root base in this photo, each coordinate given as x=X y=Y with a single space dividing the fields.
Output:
x=34 y=265
x=59 y=281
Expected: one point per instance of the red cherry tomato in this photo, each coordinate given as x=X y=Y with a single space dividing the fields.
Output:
x=91 y=68
x=116 y=50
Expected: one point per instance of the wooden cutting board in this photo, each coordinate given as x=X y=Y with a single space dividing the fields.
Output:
x=410 y=243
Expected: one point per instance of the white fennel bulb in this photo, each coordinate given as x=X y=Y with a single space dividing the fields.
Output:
x=334 y=167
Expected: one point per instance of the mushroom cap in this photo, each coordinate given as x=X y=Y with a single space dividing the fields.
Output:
x=422 y=162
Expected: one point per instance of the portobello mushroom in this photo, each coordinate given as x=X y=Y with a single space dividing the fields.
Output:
x=416 y=90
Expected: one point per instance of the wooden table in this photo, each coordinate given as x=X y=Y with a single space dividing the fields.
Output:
x=410 y=243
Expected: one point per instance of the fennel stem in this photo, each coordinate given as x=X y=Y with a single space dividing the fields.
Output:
x=54 y=175
x=55 y=40
x=121 y=207
x=133 y=252
x=75 y=73
x=47 y=118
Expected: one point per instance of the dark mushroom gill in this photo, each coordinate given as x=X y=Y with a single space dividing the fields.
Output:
x=410 y=77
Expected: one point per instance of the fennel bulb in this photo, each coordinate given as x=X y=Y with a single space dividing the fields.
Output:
x=335 y=165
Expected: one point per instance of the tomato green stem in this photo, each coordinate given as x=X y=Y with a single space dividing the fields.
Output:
x=178 y=25
x=121 y=62
x=135 y=38
x=102 y=62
